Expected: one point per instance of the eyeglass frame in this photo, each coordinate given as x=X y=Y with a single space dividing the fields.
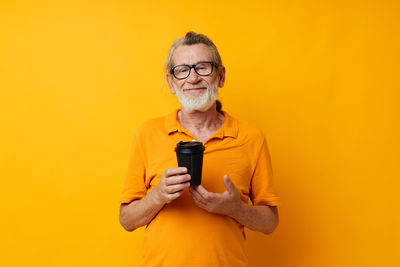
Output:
x=194 y=67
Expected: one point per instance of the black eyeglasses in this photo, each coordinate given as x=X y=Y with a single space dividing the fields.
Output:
x=181 y=72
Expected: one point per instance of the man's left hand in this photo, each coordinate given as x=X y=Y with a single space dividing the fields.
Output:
x=226 y=203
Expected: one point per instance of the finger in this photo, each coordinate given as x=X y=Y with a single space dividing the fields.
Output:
x=178 y=179
x=206 y=195
x=198 y=200
x=175 y=171
x=229 y=184
x=196 y=196
x=174 y=196
x=177 y=187
x=202 y=191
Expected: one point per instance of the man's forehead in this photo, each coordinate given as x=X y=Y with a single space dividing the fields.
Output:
x=191 y=54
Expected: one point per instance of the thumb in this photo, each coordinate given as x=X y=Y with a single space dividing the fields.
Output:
x=229 y=184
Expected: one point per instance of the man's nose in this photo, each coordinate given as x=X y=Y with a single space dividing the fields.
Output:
x=193 y=77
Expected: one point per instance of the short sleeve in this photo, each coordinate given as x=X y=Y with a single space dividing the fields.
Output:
x=134 y=186
x=262 y=186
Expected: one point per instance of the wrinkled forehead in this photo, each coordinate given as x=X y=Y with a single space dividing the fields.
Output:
x=191 y=54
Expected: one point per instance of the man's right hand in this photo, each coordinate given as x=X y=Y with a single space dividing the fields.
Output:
x=172 y=185
x=140 y=212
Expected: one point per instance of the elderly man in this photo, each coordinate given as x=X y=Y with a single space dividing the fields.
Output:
x=199 y=225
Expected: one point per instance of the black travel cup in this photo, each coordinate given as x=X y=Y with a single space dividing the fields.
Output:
x=190 y=155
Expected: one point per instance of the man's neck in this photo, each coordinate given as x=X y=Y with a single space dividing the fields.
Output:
x=210 y=120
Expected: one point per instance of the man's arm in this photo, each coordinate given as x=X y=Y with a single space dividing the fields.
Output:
x=140 y=212
x=258 y=218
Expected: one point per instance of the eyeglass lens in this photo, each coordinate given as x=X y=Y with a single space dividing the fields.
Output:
x=183 y=71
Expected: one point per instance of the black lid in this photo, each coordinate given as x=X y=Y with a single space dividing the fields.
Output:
x=189 y=147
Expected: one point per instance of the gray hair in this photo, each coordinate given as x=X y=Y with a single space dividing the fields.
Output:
x=192 y=38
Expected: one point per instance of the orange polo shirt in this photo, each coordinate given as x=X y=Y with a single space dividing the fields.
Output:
x=183 y=234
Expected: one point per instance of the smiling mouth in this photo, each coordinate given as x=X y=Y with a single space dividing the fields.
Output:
x=195 y=89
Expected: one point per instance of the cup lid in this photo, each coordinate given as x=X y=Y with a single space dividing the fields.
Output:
x=189 y=147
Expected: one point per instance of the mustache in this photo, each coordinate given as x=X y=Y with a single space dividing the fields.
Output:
x=190 y=86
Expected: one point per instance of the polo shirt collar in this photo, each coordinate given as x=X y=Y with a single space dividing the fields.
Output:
x=228 y=129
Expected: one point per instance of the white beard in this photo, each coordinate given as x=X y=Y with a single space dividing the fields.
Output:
x=198 y=103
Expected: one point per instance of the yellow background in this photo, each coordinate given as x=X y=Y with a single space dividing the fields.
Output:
x=320 y=78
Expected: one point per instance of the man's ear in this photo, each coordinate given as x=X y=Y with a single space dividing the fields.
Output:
x=170 y=83
x=221 y=77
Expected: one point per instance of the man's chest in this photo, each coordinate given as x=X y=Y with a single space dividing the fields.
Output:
x=220 y=157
